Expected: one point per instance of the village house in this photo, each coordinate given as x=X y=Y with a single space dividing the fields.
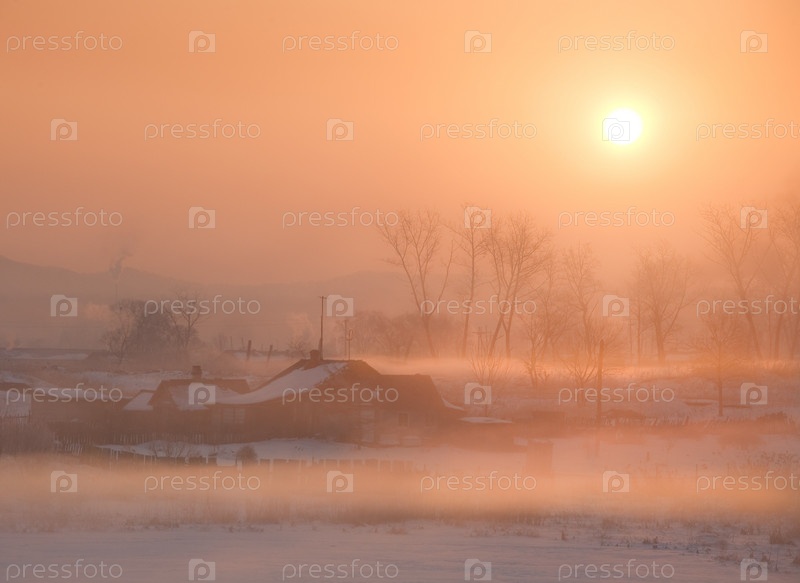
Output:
x=338 y=400
x=334 y=400
x=176 y=408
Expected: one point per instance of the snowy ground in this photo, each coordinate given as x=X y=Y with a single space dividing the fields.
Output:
x=412 y=553
x=656 y=517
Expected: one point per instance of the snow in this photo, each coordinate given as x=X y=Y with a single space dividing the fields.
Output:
x=299 y=380
x=567 y=522
x=140 y=402
x=414 y=552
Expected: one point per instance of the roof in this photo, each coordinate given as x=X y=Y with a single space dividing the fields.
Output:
x=297 y=379
x=140 y=402
x=188 y=394
x=415 y=391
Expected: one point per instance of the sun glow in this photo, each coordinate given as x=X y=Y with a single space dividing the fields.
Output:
x=622 y=126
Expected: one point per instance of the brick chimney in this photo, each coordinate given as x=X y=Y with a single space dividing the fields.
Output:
x=197 y=372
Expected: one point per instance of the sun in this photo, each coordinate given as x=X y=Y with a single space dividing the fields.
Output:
x=622 y=126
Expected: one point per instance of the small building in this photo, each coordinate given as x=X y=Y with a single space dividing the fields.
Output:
x=337 y=400
x=178 y=408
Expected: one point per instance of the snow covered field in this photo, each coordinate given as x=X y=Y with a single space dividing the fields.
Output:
x=560 y=550
x=683 y=496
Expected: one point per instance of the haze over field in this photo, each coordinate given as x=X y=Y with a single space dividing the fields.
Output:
x=422 y=292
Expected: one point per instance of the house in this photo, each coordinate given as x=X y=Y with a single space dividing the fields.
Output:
x=337 y=400
x=177 y=407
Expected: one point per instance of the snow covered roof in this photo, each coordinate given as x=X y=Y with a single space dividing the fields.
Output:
x=198 y=395
x=299 y=380
x=140 y=402
x=187 y=394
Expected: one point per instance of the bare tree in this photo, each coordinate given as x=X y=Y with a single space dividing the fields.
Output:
x=489 y=369
x=733 y=246
x=785 y=239
x=590 y=332
x=517 y=251
x=662 y=281
x=416 y=241
x=138 y=333
x=545 y=326
x=194 y=309
x=120 y=337
x=719 y=347
x=470 y=242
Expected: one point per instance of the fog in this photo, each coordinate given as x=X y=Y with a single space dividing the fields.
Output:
x=481 y=292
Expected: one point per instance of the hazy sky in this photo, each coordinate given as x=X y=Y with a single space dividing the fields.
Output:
x=136 y=78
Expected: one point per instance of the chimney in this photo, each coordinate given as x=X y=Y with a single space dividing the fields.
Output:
x=197 y=372
x=314 y=357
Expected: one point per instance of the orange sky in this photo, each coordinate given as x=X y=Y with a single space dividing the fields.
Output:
x=116 y=96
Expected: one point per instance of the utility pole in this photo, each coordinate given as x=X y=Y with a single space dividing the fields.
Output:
x=321 y=323
x=348 y=338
